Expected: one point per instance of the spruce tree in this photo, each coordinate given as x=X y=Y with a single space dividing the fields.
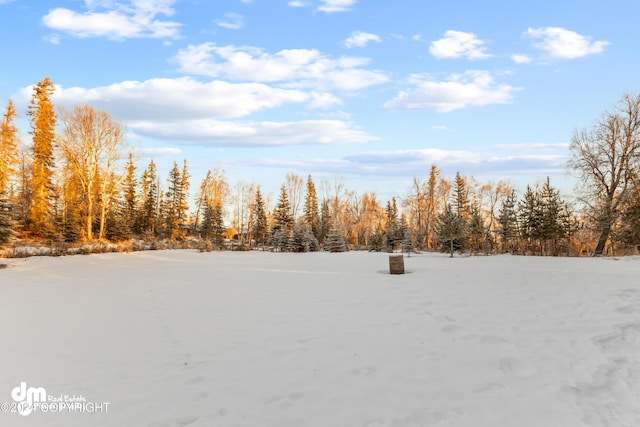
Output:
x=551 y=225
x=531 y=217
x=407 y=238
x=508 y=220
x=131 y=196
x=6 y=221
x=43 y=123
x=450 y=230
x=150 y=200
x=8 y=146
x=172 y=206
x=283 y=219
x=477 y=228
x=213 y=224
x=311 y=207
x=392 y=232
x=325 y=221
x=462 y=208
x=260 y=224
x=334 y=241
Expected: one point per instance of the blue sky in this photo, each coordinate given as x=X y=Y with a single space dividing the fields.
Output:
x=371 y=92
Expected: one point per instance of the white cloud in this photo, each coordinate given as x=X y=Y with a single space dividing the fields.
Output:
x=217 y=133
x=232 y=21
x=473 y=88
x=182 y=98
x=564 y=44
x=116 y=20
x=326 y=6
x=290 y=67
x=361 y=39
x=521 y=58
x=187 y=111
x=330 y=6
x=298 y=3
x=458 y=44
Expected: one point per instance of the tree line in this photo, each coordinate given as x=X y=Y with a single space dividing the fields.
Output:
x=76 y=183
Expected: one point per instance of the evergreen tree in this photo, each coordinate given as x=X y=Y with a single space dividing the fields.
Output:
x=325 y=221
x=531 y=217
x=508 y=220
x=173 y=213
x=311 y=207
x=260 y=225
x=392 y=232
x=450 y=230
x=6 y=221
x=477 y=228
x=407 y=238
x=43 y=123
x=71 y=226
x=334 y=241
x=150 y=200
x=283 y=219
x=118 y=228
x=376 y=242
x=462 y=208
x=461 y=204
x=302 y=240
x=551 y=221
x=131 y=196
x=213 y=223
x=8 y=146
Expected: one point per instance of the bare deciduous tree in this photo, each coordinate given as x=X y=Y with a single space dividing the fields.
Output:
x=606 y=157
x=91 y=143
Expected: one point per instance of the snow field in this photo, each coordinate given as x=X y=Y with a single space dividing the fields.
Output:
x=181 y=338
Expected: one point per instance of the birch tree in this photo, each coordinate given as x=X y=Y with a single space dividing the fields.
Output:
x=91 y=142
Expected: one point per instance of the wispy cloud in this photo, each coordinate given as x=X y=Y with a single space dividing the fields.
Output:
x=299 y=3
x=218 y=133
x=116 y=20
x=458 y=44
x=361 y=39
x=330 y=6
x=498 y=164
x=291 y=67
x=474 y=88
x=561 y=43
x=519 y=58
x=231 y=21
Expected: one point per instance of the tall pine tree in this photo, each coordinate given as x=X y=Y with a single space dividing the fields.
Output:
x=311 y=207
x=43 y=124
x=8 y=146
x=150 y=200
x=260 y=225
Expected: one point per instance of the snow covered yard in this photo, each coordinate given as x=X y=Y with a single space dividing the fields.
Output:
x=181 y=338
